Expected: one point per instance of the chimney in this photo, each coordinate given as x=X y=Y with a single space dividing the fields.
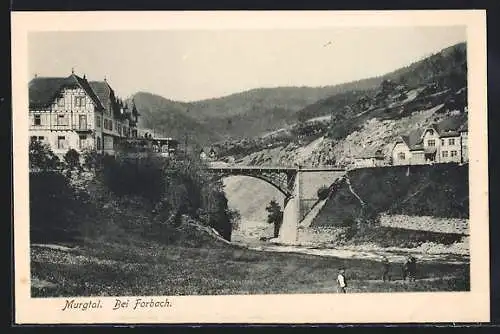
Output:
x=72 y=70
x=36 y=75
x=84 y=77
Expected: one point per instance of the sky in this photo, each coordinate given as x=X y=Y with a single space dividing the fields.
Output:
x=194 y=65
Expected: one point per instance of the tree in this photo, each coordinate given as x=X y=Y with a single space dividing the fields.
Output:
x=72 y=159
x=235 y=218
x=42 y=157
x=91 y=159
x=387 y=87
x=275 y=216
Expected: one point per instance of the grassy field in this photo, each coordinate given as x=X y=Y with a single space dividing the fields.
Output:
x=140 y=267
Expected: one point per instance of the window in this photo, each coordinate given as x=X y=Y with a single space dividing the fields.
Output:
x=61 y=142
x=105 y=123
x=79 y=101
x=38 y=120
x=98 y=121
x=33 y=139
x=41 y=138
x=119 y=129
x=442 y=142
x=110 y=123
x=81 y=141
x=60 y=102
x=82 y=122
x=62 y=120
x=453 y=153
x=431 y=142
x=401 y=156
x=98 y=144
x=431 y=132
x=451 y=141
x=444 y=154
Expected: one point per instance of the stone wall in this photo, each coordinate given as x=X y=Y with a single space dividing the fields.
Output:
x=426 y=223
x=318 y=235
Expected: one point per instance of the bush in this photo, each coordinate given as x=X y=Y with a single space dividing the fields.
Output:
x=91 y=159
x=42 y=157
x=72 y=159
x=128 y=177
x=323 y=192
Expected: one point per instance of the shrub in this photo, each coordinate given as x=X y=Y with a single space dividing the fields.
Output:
x=72 y=159
x=91 y=159
x=323 y=192
x=42 y=157
x=128 y=177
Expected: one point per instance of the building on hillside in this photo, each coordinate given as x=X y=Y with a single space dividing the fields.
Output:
x=369 y=158
x=212 y=154
x=166 y=146
x=443 y=142
x=74 y=113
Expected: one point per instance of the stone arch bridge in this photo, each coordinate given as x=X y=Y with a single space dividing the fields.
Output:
x=291 y=181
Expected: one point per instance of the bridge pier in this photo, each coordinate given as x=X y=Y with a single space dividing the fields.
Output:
x=291 y=215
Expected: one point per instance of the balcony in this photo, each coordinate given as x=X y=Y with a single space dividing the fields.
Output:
x=82 y=128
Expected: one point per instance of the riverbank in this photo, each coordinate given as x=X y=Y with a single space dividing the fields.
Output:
x=144 y=267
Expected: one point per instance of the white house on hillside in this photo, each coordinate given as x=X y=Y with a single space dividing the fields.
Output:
x=446 y=141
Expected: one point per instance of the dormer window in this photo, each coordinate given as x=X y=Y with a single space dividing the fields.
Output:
x=60 y=102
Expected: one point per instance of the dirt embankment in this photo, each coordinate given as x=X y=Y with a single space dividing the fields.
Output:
x=441 y=190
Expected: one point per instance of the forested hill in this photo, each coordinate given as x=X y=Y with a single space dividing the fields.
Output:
x=170 y=118
x=244 y=114
x=447 y=68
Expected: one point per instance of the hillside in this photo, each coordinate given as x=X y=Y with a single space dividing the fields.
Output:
x=170 y=118
x=446 y=68
x=339 y=129
x=244 y=114
x=252 y=113
x=439 y=191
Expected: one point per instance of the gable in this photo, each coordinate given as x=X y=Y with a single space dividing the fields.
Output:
x=44 y=90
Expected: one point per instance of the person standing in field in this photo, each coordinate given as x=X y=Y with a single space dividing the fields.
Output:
x=341 y=282
x=385 y=269
x=406 y=267
x=412 y=269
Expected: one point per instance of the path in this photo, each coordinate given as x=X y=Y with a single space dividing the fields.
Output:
x=393 y=255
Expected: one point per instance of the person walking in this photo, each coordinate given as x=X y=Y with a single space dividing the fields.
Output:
x=412 y=268
x=385 y=269
x=406 y=268
x=341 y=282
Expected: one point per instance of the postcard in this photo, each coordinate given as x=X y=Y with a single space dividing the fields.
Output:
x=250 y=167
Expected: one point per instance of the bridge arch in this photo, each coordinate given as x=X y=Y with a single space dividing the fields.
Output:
x=280 y=178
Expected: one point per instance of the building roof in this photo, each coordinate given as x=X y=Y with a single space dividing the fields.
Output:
x=413 y=140
x=370 y=153
x=43 y=90
x=103 y=92
x=451 y=124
